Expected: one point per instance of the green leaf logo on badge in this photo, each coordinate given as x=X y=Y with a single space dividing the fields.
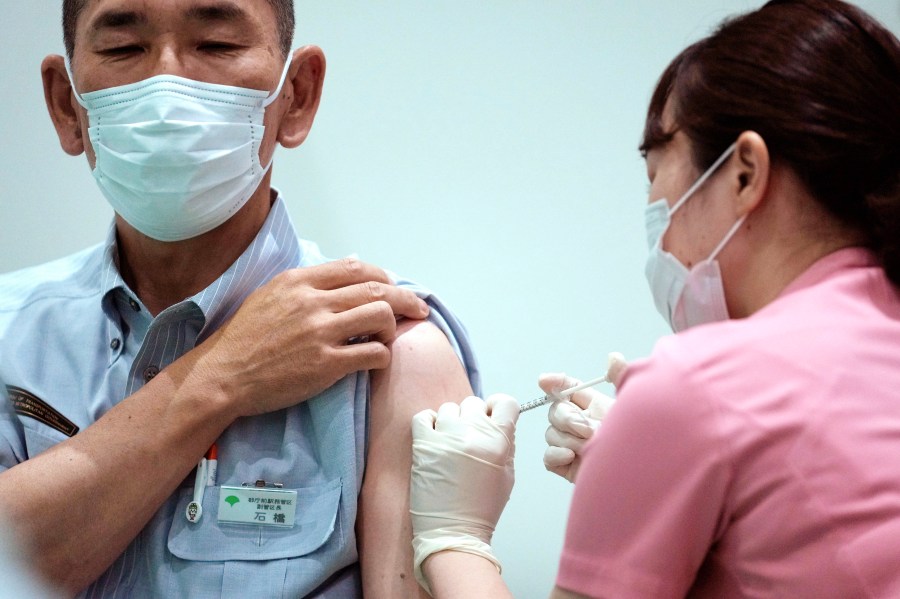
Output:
x=231 y=500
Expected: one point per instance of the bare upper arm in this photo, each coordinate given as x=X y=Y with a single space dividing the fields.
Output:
x=424 y=373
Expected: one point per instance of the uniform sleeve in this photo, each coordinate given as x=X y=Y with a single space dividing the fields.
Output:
x=649 y=498
x=445 y=320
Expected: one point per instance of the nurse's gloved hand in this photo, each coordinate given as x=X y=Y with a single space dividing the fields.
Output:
x=572 y=422
x=462 y=476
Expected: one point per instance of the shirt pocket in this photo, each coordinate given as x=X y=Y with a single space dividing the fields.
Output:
x=211 y=541
x=39 y=441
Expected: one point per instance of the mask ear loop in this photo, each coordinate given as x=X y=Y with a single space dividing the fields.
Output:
x=739 y=222
x=727 y=238
x=284 y=72
x=72 y=82
x=709 y=172
x=272 y=98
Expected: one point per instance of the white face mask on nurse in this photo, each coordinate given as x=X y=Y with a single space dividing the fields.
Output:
x=684 y=296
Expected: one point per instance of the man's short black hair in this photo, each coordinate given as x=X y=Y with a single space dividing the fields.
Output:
x=284 y=15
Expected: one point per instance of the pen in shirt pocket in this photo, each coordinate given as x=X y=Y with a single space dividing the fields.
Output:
x=212 y=465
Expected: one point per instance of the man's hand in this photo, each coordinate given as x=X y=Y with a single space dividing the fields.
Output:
x=305 y=330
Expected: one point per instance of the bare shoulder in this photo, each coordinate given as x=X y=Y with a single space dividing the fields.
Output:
x=423 y=340
x=424 y=371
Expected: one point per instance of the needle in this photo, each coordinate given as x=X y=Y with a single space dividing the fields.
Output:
x=545 y=399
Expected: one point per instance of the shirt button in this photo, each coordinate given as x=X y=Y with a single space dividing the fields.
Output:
x=114 y=344
x=150 y=372
x=134 y=305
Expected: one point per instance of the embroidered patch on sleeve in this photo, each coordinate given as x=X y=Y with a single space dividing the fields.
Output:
x=28 y=404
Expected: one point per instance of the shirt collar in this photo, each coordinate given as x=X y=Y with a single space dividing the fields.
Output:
x=824 y=267
x=274 y=249
x=110 y=279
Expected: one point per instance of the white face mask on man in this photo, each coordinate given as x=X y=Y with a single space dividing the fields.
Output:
x=176 y=157
x=685 y=297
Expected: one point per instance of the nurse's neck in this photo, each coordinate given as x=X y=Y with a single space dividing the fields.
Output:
x=781 y=239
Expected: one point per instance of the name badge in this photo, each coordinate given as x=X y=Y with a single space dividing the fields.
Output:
x=258 y=506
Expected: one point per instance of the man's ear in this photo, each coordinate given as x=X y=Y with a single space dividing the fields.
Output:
x=751 y=159
x=61 y=104
x=305 y=77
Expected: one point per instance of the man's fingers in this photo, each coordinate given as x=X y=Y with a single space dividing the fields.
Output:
x=355 y=283
x=402 y=302
x=367 y=355
x=343 y=273
x=369 y=320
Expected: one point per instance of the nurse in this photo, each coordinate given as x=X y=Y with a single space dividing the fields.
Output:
x=757 y=451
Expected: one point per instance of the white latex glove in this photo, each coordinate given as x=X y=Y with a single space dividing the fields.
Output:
x=462 y=476
x=573 y=421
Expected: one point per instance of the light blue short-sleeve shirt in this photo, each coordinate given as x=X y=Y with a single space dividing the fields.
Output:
x=75 y=341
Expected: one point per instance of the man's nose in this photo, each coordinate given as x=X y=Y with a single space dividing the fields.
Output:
x=167 y=60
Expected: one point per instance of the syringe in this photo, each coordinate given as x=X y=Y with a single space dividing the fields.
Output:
x=616 y=365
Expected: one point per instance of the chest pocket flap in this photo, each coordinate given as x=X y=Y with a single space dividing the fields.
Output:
x=211 y=541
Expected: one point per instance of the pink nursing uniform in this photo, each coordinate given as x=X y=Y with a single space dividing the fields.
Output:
x=756 y=457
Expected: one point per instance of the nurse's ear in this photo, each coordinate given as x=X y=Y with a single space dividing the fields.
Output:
x=61 y=104
x=303 y=87
x=751 y=159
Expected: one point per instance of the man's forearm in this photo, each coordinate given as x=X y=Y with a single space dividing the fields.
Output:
x=79 y=504
x=82 y=502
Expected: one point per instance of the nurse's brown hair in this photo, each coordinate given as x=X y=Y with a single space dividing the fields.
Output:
x=819 y=80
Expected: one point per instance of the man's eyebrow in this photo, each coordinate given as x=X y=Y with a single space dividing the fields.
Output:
x=220 y=11
x=120 y=19
x=117 y=19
